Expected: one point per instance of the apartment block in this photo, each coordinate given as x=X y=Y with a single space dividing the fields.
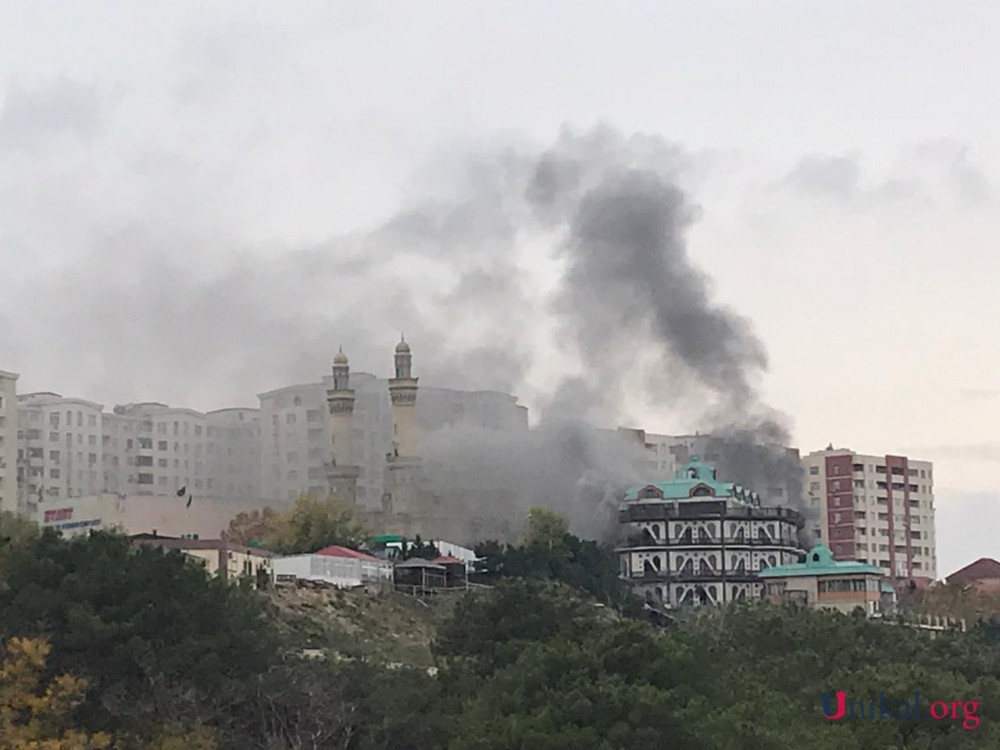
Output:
x=875 y=509
x=8 y=442
x=60 y=448
x=296 y=439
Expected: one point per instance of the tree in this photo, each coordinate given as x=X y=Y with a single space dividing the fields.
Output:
x=418 y=549
x=15 y=531
x=546 y=528
x=312 y=524
x=249 y=527
x=157 y=639
x=33 y=717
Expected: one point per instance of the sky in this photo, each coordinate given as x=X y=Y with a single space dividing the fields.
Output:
x=200 y=202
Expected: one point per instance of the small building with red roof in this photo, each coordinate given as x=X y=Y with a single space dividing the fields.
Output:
x=338 y=566
x=982 y=575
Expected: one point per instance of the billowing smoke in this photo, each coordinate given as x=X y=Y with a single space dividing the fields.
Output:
x=639 y=315
x=492 y=479
x=624 y=314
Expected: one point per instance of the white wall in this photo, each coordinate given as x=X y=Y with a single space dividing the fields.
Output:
x=8 y=441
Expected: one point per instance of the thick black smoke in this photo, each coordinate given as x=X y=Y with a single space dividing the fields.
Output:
x=632 y=296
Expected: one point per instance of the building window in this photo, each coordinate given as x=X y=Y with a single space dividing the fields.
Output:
x=814 y=470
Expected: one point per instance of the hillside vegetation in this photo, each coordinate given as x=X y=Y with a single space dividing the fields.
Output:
x=385 y=627
x=108 y=647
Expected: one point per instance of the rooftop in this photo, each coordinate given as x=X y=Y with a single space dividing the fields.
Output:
x=337 y=551
x=820 y=562
x=694 y=480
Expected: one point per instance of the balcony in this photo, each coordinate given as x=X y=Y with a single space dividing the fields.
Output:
x=645 y=541
x=662 y=511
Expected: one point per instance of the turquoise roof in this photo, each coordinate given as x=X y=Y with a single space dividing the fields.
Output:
x=692 y=475
x=820 y=562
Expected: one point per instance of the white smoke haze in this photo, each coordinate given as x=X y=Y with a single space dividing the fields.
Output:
x=572 y=260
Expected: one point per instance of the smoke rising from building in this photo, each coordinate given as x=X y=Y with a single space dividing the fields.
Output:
x=139 y=319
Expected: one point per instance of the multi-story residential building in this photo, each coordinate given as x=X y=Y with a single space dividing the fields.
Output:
x=232 y=454
x=69 y=447
x=696 y=540
x=170 y=448
x=8 y=442
x=294 y=442
x=296 y=433
x=875 y=509
x=61 y=448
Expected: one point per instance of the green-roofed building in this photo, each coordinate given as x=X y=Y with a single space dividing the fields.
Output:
x=696 y=539
x=822 y=582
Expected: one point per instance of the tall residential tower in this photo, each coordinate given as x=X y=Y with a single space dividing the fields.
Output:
x=875 y=509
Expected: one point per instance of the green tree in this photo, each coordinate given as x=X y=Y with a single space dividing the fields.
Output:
x=15 y=531
x=158 y=640
x=312 y=524
x=546 y=528
x=249 y=527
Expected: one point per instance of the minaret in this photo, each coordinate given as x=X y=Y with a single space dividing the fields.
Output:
x=341 y=472
x=403 y=392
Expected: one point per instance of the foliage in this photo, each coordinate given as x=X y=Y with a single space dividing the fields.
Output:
x=586 y=566
x=250 y=527
x=546 y=528
x=15 y=531
x=157 y=639
x=418 y=549
x=952 y=600
x=312 y=524
x=33 y=717
x=148 y=653
x=554 y=673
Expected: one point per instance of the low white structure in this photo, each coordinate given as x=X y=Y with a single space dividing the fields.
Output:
x=339 y=566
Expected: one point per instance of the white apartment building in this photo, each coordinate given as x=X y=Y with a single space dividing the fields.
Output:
x=60 y=448
x=8 y=442
x=296 y=439
x=232 y=454
x=71 y=447
x=875 y=509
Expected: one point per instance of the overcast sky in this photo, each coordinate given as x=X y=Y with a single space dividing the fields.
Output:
x=185 y=186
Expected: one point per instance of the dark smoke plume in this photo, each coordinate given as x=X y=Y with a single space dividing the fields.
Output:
x=145 y=316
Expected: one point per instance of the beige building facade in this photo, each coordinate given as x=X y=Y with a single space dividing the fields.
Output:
x=820 y=582
x=227 y=561
x=139 y=514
